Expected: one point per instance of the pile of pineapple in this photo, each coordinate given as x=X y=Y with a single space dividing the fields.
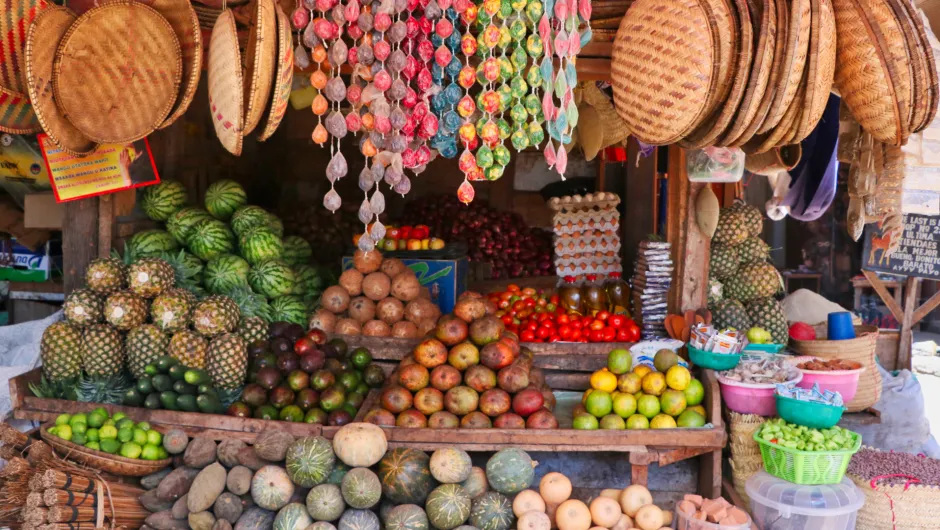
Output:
x=132 y=313
x=742 y=281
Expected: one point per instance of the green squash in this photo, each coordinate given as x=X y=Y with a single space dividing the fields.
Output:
x=448 y=506
x=510 y=471
x=406 y=476
x=407 y=517
x=294 y=516
x=359 y=520
x=339 y=471
x=325 y=502
x=492 y=511
x=310 y=461
x=361 y=488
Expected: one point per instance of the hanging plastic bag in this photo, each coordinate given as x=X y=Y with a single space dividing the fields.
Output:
x=715 y=164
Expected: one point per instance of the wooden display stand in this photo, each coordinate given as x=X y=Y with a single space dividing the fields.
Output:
x=909 y=316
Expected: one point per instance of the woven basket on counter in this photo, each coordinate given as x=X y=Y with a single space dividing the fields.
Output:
x=910 y=506
x=114 y=464
x=745 y=453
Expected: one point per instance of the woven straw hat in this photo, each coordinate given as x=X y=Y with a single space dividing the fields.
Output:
x=226 y=91
x=280 y=94
x=615 y=129
x=117 y=94
x=185 y=24
x=260 y=62
x=16 y=17
x=42 y=41
x=16 y=114
x=794 y=61
x=662 y=68
x=764 y=19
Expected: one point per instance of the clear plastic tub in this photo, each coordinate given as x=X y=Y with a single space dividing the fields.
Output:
x=780 y=505
x=684 y=522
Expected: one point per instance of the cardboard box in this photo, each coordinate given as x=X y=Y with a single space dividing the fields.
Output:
x=41 y=211
x=445 y=279
x=20 y=264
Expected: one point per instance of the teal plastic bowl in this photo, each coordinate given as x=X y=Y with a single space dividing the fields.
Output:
x=764 y=348
x=813 y=415
x=713 y=361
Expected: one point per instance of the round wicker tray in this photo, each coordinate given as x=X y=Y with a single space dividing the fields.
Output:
x=260 y=61
x=17 y=16
x=226 y=91
x=794 y=62
x=100 y=460
x=780 y=46
x=280 y=94
x=763 y=15
x=820 y=67
x=185 y=24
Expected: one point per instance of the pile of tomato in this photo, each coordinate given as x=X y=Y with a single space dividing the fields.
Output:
x=538 y=317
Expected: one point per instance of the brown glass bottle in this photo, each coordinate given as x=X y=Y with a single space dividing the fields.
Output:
x=618 y=294
x=570 y=296
x=595 y=299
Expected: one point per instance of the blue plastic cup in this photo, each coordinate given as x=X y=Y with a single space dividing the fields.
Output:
x=840 y=326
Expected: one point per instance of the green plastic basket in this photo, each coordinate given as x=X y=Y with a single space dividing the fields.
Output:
x=806 y=467
x=714 y=361
x=808 y=413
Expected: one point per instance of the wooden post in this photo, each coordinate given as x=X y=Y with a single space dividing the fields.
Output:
x=690 y=248
x=79 y=240
x=106 y=206
x=911 y=287
x=909 y=316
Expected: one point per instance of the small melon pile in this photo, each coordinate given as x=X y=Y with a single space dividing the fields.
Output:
x=376 y=297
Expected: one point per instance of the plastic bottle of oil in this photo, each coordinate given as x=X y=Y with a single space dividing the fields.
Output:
x=570 y=296
x=595 y=298
x=618 y=294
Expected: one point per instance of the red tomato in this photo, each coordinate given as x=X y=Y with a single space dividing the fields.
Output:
x=529 y=302
x=616 y=321
x=544 y=316
x=547 y=324
x=505 y=296
x=532 y=325
x=524 y=313
x=602 y=315
x=554 y=299
x=596 y=336
x=623 y=335
x=562 y=319
x=576 y=335
x=503 y=304
x=527 y=335
x=609 y=334
x=543 y=333
x=529 y=291
x=512 y=288
x=564 y=331
x=554 y=338
x=507 y=319
x=633 y=332
x=518 y=305
x=542 y=302
x=586 y=320
x=596 y=325
x=576 y=323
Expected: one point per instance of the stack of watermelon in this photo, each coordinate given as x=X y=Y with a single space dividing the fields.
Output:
x=231 y=244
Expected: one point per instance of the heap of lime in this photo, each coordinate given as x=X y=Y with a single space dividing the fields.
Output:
x=114 y=434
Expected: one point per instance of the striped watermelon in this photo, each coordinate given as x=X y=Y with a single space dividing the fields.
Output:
x=162 y=200
x=296 y=251
x=248 y=217
x=289 y=308
x=308 y=281
x=180 y=225
x=259 y=245
x=272 y=278
x=275 y=225
x=224 y=272
x=224 y=197
x=211 y=238
x=152 y=243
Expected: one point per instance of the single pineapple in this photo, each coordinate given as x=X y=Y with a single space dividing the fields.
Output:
x=60 y=350
x=215 y=315
x=753 y=249
x=755 y=280
x=731 y=314
x=105 y=275
x=255 y=311
x=102 y=351
x=753 y=218
x=724 y=261
x=83 y=307
x=253 y=329
x=144 y=345
x=172 y=310
x=227 y=361
x=148 y=277
x=125 y=310
x=768 y=314
x=189 y=348
x=732 y=227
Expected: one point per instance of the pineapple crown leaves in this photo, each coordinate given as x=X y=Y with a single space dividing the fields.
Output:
x=128 y=257
x=108 y=390
x=61 y=389
x=184 y=273
x=250 y=303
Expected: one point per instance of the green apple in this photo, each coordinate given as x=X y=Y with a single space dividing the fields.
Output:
x=758 y=335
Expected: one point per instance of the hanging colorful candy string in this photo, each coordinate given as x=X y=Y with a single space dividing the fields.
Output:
x=302 y=21
x=444 y=101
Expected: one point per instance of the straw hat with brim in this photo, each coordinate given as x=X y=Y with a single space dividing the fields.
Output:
x=16 y=114
x=764 y=19
x=111 y=93
x=794 y=61
x=615 y=129
x=15 y=18
x=260 y=62
x=185 y=24
x=280 y=94
x=662 y=68
x=226 y=91
x=42 y=41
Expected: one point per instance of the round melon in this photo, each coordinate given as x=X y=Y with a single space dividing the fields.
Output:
x=180 y=225
x=225 y=272
x=309 y=461
x=294 y=516
x=275 y=225
x=360 y=444
x=259 y=244
x=406 y=475
x=492 y=511
x=308 y=280
x=224 y=197
x=475 y=483
x=248 y=217
x=272 y=278
x=359 y=520
x=162 y=200
x=289 y=308
x=450 y=465
x=210 y=239
x=361 y=488
x=297 y=251
x=339 y=471
x=448 y=506
x=325 y=502
x=406 y=517
x=271 y=488
x=152 y=243
x=510 y=471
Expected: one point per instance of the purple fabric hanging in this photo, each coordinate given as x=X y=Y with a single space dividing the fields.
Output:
x=814 y=179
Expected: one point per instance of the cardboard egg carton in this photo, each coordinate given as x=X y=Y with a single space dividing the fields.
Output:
x=586 y=246
x=600 y=201
x=601 y=265
x=566 y=223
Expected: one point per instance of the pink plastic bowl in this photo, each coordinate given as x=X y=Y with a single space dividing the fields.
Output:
x=745 y=398
x=844 y=382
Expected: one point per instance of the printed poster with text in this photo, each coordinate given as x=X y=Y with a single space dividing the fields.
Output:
x=111 y=168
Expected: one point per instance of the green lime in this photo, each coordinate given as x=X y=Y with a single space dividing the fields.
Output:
x=154 y=438
x=64 y=432
x=619 y=361
x=690 y=418
x=79 y=428
x=163 y=454
x=102 y=411
x=638 y=421
x=612 y=422
x=125 y=435
x=63 y=419
x=96 y=419
x=109 y=421
x=92 y=435
x=585 y=422
x=93 y=445
x=125 y=423
x=648 y=405
x=144 y=426
x=78 y=438
x=140 y=437
x=110 y=446
x=130 y=450
x=107 y=432
x=599 y=403
x=694 y=393
x=624 y=405
x=79 y=418
x=150 y=452
x=53 y=430
x=118 y=416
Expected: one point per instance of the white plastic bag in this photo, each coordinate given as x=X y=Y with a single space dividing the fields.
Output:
x=715 y=164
